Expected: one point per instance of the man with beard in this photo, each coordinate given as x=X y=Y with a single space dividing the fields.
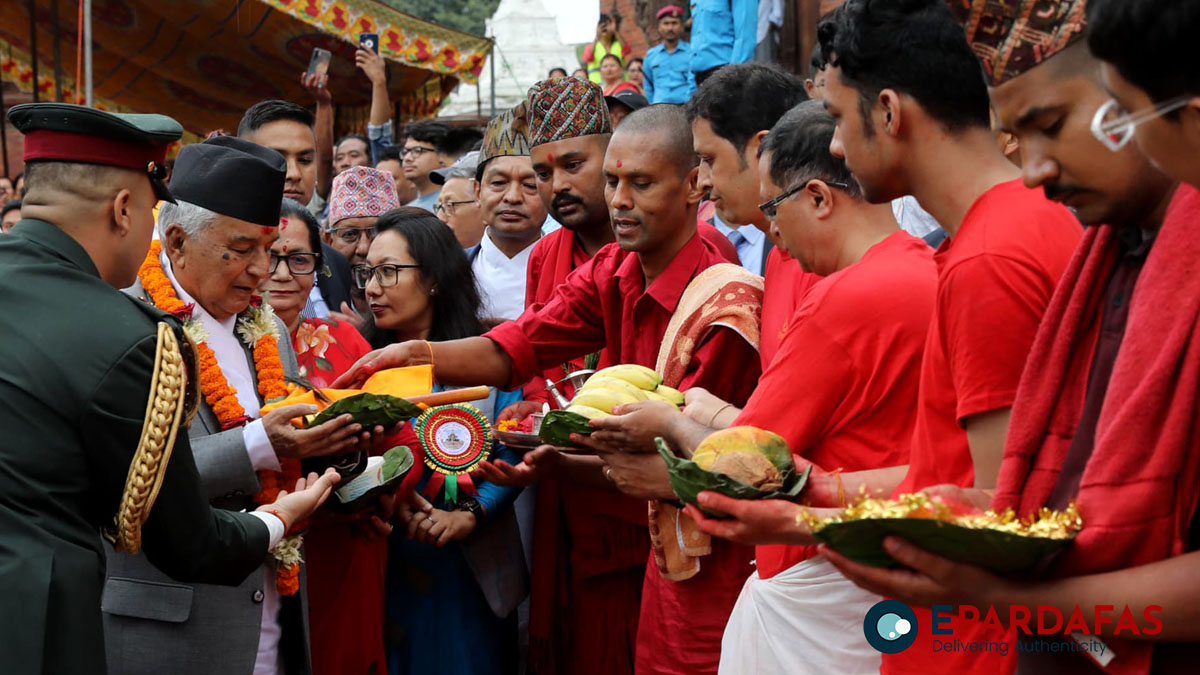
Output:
x=289 y=130
x=507 y=193
x=623 y=300
x=592 y=540
x=1107 y=407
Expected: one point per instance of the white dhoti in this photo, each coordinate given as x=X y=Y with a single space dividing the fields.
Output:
x=806 y=619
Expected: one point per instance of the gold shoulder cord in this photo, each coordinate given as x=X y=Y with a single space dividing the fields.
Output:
x=164 y=413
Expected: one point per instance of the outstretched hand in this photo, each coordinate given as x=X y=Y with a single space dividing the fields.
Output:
x=411 y=353
x=930 y=579
x=634 y=427
x=309 y=494
x=317 y=85
x=756 y=522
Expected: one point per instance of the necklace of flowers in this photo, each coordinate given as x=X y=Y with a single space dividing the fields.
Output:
x=257 y=329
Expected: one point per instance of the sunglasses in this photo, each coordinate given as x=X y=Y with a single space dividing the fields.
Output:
x=770 y=208
x=1114 y=126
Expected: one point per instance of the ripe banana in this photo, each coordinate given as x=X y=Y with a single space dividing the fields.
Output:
x=587 y=411
x=615 y=384
x=673 y=395
x=655 y=396
x=603 y=399
x=639 y=376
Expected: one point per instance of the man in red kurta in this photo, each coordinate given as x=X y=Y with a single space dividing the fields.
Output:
x=624 y=303
x=589 y=543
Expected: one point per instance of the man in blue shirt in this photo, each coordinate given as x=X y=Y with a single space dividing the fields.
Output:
x=667 y=68
x=723 y=32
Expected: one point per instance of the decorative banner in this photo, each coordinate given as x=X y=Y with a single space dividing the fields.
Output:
x=454 y=438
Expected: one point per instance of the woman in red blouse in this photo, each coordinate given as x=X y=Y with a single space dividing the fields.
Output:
x=345 y=564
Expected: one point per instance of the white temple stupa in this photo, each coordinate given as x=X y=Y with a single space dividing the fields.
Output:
x=529 y=43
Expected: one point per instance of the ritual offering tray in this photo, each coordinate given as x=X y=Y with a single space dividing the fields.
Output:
x=523 y=434
x=1000 y=542
x=599 y=395
x=382 y=476
x=738 y=462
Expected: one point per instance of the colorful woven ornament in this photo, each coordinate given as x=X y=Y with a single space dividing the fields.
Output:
x=1012 y=36
x=566 y=108
x=362 y=192
x=506 y=136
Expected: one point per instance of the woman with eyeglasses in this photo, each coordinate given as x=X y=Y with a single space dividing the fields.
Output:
x=345 y=565
x=460 y=571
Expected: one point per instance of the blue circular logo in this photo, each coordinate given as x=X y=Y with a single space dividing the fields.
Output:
x=890 y=626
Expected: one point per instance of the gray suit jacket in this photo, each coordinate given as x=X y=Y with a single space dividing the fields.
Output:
x=154 y=625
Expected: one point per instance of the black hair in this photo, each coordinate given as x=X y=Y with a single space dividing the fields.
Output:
x=1151 y=44
x=556 y=70
x=265 y=112
x=355 y=137
x=460 y=140
x=429 y=131
x=610 y=55
x=9 y=205
x=816 y=59
x=741 y=100
x=295 y=211
x=799 y=147
x=666 y=124
x=444 y=266
x=393 y=152
x=915 y=47
x=638 y=59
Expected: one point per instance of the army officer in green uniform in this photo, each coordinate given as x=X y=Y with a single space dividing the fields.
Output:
x=77 y=359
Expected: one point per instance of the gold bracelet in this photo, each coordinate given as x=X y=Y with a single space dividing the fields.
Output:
x=712 y=421
x=430 y=345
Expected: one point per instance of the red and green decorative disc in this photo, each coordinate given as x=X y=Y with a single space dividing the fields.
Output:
x=455 y=438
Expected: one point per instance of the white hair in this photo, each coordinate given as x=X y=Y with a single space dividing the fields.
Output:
x=190 y=217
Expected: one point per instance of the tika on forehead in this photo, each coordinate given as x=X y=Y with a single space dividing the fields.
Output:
x=1012 y=36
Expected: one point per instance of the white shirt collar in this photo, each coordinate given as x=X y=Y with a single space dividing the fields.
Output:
x=222 y=339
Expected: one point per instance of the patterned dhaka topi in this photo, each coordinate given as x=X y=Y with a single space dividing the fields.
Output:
x=566 y=108
x=1012 y=36
x=361 y=192
x=506 y=136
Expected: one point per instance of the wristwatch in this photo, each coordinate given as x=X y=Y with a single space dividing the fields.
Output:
x=473 y=507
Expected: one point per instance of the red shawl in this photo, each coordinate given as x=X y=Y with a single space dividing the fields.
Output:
x=1139 y=488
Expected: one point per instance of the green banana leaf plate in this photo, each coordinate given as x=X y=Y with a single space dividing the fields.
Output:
x=370 y=410
x=382 y=476
x=558 y=425
x=1004 y=552
x=688 y=480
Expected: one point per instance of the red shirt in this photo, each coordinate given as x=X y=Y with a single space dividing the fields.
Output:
x=995 y=279
x=852 y=360
x=605 y=303
x=784 y=287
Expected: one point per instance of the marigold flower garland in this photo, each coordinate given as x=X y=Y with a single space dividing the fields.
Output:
x=256 y=328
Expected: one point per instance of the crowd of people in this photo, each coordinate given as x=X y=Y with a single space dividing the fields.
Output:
x=954 y=260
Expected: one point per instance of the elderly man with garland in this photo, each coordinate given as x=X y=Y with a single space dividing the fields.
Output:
x=212 y=253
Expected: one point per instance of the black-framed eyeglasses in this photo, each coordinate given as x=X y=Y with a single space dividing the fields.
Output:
x=387 y=274
x=350 y=235
x=417 y=151
x=449 y=207
x=300 y=262
x=771 y=207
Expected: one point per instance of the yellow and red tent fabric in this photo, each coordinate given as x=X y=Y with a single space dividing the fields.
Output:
x=205 y=61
